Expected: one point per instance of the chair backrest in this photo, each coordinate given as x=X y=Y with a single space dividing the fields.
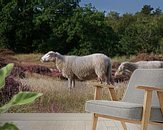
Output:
x=147 y=77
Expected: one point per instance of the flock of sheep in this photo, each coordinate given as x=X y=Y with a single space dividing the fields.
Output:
x=93 y=66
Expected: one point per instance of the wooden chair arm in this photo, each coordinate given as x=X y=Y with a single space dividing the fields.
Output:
x=96 y=84
x=149 y=88
x=148 y=91
x=98 y=91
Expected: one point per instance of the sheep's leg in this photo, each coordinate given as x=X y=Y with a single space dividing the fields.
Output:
x=109 y=79
x=69 y=83
x=99 y=75
x=73 y=83
x=106 y=80
x=100 y=79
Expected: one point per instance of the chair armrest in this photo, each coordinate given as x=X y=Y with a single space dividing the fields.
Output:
x=150 y=88
x=96 y=84
x=98 y=91
x=148 y=99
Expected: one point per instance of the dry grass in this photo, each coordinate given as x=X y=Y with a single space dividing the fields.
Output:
x=57 y=97
x=32 y=59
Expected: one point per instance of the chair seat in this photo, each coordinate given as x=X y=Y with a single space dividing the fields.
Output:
x=131 y=111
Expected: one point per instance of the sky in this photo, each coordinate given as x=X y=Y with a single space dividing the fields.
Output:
x=122 y=6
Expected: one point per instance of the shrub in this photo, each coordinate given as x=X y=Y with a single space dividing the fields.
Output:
x=11 y=88
x=19 y=99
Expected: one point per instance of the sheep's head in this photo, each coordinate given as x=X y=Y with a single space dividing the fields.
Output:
x=123 y=68
x=50 y=56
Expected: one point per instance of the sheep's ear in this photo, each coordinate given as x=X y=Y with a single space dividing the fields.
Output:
x=52 y=54
x=56 y=54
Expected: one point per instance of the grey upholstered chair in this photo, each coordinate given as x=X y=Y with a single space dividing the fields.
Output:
x=142 y=103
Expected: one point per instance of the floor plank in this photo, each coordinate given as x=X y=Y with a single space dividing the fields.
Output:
x=57 y=121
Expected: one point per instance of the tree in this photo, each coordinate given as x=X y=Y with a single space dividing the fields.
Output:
x=142 y=36
x=157 y=11
x=27 y=26
x=64 y=26
x=146 y=10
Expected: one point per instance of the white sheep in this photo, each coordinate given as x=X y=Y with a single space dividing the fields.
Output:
x=129 y=67
x=81 y=67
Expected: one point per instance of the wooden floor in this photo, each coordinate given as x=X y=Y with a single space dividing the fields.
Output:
x=58 y=121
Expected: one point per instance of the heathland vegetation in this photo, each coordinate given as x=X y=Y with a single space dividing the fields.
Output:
x=29 y=74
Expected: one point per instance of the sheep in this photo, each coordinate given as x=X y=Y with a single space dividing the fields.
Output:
x=81 y=67
x=129 y=67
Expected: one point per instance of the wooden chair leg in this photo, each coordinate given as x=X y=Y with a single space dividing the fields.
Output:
x=124 y=125
x=146 y=110
x=160 y=98
x=94 y=121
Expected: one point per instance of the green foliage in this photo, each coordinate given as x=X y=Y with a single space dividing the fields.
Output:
x=8 y=126
x=146 y=10
x=161 y=46
x=4 y=72
x=137 y=33
x=19 y=99
x=89 y=33
x=63 y=26
x=143 y=36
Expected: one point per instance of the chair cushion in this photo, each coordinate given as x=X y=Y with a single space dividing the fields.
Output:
x=120 y=109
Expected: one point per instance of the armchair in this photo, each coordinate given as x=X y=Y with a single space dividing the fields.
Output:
x=142 y=103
